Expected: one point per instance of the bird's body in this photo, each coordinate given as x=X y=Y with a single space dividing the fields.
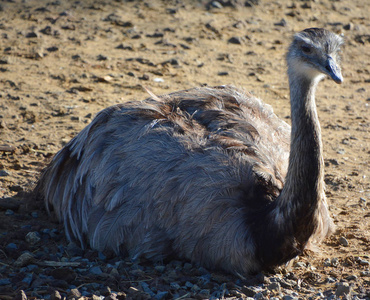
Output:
x=209 y=174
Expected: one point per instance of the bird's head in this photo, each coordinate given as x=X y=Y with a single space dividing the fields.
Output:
x=315 y=52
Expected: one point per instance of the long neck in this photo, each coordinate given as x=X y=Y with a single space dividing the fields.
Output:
x=303 y=184
x=288 y=223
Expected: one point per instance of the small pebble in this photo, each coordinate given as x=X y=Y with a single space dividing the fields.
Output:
x=364 y=262
x=96 y=270
x=4 y=173
x=343 y=289
x=33 y=238
x=21 y=295
x=343 y=241
x=351 y=277
x=161 y=295
x=24 y=259
x=5 y=281
x=275 y=286
x=9 y=212
x=11 y=246
x=299 y=264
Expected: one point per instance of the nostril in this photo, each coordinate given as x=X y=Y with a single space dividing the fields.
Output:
x=328 y=68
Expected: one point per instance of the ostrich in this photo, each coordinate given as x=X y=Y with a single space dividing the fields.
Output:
x=208 y=174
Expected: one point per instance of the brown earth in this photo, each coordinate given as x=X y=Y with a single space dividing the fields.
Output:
x=63 y=61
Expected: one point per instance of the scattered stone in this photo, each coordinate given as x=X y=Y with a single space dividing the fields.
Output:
x=144 y=77
x=101 y=57
x=204 y=294
x=24 y=260
x=9 y=212
x=235 y=40
x=52 y=49
x=21 y=295
x=275 y=287
x=363 y=262
x=96 y=270
x=343 y=241
x=137 y=294
x=31 y=35
x=55 y=295
x=351 y=277
x=46 y=30
x=289 y=297
x=5 y=281
x=161 y=295
x=75 y=293
x=33 y=238
x=282 y=23
x=249 y=291
x=216 y=4
x=299 y=264
x=343 y=289
x=11 y=246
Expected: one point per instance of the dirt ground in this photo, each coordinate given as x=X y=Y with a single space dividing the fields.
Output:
x=63 y=61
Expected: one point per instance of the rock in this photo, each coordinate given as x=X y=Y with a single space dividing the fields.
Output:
x=299 y=264
x=137 y=294
x=282 y=23
x=289 y=297
x=248 y=291
x=21 y=295
x=203 y=294
x=235 y=40
x=46 y=30
x=343 y=289
x=24 y=260
x=364 y=262
x=101 y=57
x=343 y=241
x=9 y=212
x=4 y=173
x=75 y=293
x=145 y=287
x=161 y=295
x=216 y=4
x=351 y=277
x=11 y=246
x=5 y=281
x=33 y=237
x=175 y=286
x=31 y=35
x=275 y=286
x=348 y=26
x=52 y=49
x=96 y=270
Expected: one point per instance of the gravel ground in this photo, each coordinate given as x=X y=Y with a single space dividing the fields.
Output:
x=63 y=61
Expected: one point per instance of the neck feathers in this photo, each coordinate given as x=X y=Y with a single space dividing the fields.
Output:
x=293 y=217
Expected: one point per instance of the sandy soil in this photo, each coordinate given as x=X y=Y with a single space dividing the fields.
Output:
x=63 y=61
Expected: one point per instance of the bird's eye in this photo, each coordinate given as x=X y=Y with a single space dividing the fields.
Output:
x=306 y=49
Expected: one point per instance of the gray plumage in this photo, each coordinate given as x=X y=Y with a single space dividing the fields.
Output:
x=208 y=174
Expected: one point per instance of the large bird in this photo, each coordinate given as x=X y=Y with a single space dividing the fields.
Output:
x=211 y=175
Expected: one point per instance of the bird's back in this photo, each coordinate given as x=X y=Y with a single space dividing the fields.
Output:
x=170 y=174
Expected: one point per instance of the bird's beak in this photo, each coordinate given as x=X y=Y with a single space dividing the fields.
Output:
x=333 y=70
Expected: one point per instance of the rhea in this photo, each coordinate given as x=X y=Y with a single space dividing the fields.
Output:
x=209 y=174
